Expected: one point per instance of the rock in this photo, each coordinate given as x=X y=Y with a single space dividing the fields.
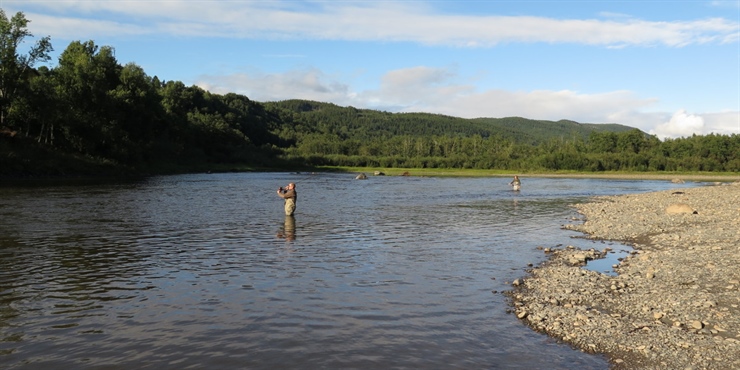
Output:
x=679 y=208
x=578 y=259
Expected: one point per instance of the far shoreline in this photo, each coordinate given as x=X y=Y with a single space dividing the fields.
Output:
x=372 y=171
x=435 y=172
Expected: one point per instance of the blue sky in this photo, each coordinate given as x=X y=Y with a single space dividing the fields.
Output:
x=670 y=68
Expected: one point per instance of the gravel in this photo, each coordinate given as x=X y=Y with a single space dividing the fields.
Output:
x=675 y=300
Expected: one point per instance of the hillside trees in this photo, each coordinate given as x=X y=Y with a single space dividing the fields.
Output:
x=84 y=78
x=16 y=70
x=630 y=150
x=91 y=105
x=138 y=115
x=27 y=118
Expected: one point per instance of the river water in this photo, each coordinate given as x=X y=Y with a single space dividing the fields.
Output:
x=205 y=272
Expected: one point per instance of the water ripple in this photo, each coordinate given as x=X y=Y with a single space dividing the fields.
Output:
x=204 y=271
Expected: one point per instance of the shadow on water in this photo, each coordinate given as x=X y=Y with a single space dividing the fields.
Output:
x=205 y=271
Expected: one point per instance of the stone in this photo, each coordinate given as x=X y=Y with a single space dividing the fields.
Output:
x=578 y=259
x=679 y=208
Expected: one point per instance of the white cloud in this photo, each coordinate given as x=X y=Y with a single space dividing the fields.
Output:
x=309 y=84
x=680 y=124
x=684 y=124
x=410 y=88
x=725 y=123
x=75 y=28
x=725 y=4
x=359 y=21
x=435 y=90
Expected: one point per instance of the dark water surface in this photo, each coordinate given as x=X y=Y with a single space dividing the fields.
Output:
x=205 y=272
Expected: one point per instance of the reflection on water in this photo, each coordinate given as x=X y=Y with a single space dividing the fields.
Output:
x=205 y=271
x=287 y=232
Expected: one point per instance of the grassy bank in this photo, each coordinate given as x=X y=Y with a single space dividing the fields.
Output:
x=436 y=172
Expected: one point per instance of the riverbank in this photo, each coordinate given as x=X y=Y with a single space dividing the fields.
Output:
x=675 y=301
x=469 y=172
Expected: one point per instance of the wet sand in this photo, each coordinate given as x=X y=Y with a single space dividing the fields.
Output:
x=675 y=300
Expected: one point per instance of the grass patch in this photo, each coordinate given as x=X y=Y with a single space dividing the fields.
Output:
x=436 y=172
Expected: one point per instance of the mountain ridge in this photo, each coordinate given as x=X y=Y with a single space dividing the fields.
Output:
x=362 y=123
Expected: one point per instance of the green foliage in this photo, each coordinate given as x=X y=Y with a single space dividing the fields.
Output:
x=16 y=70
x=326 y=134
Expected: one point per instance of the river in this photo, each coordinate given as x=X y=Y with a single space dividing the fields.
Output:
x=204 y=271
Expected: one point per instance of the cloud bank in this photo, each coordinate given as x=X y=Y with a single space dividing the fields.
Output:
x=383 y=21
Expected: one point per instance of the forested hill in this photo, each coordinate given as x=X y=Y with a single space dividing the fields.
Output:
x=534 y=132
x=318 y=133
x=367 y=124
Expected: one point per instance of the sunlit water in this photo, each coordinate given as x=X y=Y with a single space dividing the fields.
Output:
x=205 y=272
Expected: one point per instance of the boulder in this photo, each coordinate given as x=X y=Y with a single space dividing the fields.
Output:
x=678 y=208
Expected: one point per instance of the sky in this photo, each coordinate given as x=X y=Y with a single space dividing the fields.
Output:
x=669 y=68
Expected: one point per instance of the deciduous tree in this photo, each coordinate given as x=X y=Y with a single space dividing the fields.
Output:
x=15 y=68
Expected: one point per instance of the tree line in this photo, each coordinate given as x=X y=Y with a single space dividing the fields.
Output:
x=631 y=151
x=326 y=134
x=92 y=107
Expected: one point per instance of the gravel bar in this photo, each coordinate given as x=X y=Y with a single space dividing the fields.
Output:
x=674 y=302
